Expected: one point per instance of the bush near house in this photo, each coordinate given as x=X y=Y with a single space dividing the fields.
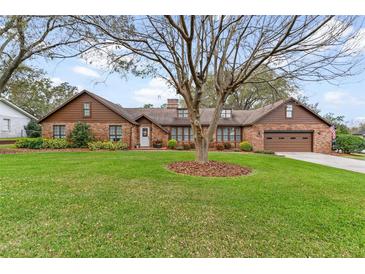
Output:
x=33 y=143
x=348 y=143
x=107 y=145
x=33 y=129
x=171 y=144
x=219 y=147
x=40 y=143
x=227 y=145
x=245 y=146
x=55 y=143
x=81 y=135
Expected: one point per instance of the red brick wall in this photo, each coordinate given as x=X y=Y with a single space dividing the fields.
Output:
x=158 y=134
x=100 y=131
x=322 y=138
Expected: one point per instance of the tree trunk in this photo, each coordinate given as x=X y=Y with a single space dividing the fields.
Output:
x=201 y=149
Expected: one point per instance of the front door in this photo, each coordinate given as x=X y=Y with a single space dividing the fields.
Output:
x=145 y=136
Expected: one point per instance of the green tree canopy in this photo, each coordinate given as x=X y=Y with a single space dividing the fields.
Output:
x=33 y=91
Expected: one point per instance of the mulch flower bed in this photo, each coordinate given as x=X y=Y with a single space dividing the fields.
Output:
x=209 y=169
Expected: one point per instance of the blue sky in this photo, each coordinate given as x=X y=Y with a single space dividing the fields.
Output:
x=346 y=98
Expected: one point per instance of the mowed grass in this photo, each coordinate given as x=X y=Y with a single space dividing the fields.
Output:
x=127 y=204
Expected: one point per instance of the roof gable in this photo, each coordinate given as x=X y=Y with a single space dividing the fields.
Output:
x=279 y=104
x=18 y=109
x=151 y=120
x=111 y=106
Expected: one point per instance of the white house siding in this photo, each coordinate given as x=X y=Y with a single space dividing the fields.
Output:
x=17 y=122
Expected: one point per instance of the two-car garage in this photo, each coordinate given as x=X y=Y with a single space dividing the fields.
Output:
x=285 y=141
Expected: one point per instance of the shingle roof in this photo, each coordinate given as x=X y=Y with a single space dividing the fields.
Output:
x=168 y=117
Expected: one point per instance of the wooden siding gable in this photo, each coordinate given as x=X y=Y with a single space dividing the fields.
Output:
x=72 y=111
x=301 y=115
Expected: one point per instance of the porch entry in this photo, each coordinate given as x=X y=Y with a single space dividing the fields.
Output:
x=145 y=136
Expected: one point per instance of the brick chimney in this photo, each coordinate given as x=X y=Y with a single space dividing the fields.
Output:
x=172 y=103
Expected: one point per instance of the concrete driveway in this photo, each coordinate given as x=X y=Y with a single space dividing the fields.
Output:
x=327 y=160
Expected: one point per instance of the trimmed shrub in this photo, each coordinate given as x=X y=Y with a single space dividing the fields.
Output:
x=81 y=135
x=107 y=145
x=33 y=143
x=219 y=147
x=264 y=151
x=55 y=143
x=157 y=143
x=33 y=129
x=245 y=146
x=227 y=145
x=171 y=144
x=348 y=143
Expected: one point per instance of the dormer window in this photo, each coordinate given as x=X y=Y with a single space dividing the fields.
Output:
x=182 y=113
x=289 y=111
x=86 y=109
x=226 y=113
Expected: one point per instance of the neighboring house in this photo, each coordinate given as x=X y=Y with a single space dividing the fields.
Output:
x=13 y=119
x=286 y=125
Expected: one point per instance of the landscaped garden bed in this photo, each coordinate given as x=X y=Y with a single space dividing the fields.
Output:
x=209 y=169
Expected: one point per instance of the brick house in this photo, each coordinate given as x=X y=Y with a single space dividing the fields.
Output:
x=286 y=125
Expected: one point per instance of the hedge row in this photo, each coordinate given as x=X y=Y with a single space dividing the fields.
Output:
x=173 y=144
x=42 y=143
x=39 y=143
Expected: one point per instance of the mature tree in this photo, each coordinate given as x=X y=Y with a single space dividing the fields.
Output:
x=31 y=90
x=233 y=50
x=253 y=95
x=25 y=37
x=338 y=122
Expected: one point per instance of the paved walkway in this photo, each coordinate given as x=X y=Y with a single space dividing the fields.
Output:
x=327 y=160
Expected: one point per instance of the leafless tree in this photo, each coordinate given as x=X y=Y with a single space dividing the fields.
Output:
x=185 y=50
x=25 y=37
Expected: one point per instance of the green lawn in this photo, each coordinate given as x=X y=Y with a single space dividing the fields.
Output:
x=126 y=204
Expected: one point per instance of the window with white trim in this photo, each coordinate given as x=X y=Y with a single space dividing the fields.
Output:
x=87 y=110
x=289 y=111
x=226 y=113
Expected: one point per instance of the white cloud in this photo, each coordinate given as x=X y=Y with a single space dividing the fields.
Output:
x=342 y=98
x=156 y=92
x=56 y=81
x=357 y=43
x=104 y=56
x=85 y=71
